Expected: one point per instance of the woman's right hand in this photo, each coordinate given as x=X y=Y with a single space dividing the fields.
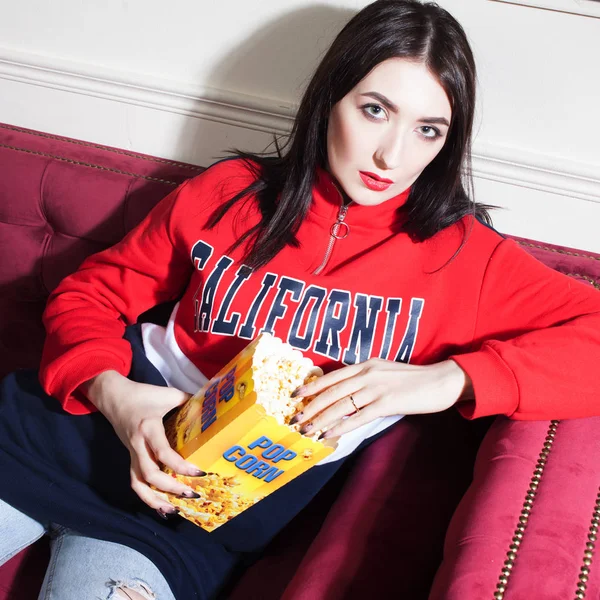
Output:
x=136 y=412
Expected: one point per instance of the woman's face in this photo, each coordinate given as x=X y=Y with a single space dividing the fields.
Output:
x=386 y=130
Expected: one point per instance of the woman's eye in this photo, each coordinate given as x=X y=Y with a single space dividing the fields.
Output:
x=429 y=132
x=374 y=111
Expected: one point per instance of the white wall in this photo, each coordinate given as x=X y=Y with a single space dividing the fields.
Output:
x=188 y=79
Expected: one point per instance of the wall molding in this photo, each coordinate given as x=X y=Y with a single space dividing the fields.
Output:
x=588 y=8
x=534 y=171
x=222 y=106
x=506 y=165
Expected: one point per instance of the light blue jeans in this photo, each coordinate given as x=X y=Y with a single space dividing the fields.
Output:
x=80 y=567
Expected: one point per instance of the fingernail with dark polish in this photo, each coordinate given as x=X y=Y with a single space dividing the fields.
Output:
x=322 y=436
x=198 y=473
x=166 y=514
x=296 y=418
x=306 y=428
x=296 y=392
x=188 y=494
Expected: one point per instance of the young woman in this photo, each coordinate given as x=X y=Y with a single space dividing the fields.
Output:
x=360 y=246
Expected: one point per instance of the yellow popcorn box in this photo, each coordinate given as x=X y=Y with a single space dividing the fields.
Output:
x=236 y=429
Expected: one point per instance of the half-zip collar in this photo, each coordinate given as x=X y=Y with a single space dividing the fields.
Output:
x=327 y=200
x=339 y=231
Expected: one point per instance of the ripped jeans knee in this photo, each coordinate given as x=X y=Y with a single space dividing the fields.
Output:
x=132 y=589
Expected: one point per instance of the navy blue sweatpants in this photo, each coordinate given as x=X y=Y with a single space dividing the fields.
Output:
x=73 y=470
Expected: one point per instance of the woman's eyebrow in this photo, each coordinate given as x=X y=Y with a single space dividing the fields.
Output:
x=435 y=121
x=391 y=106
x=381 y=98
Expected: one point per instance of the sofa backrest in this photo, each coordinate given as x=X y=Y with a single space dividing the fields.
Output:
x=63 y=199
x=60 y=201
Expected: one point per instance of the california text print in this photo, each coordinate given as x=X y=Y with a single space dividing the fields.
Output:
x=339 y=324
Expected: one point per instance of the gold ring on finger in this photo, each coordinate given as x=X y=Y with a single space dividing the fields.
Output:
x=356 y=409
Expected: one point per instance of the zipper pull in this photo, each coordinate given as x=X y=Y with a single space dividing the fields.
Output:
x=340 y=229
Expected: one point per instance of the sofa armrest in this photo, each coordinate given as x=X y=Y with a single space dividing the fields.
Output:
x=527 y=526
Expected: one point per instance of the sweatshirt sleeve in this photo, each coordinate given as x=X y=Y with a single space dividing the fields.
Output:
x=86 y=315
x=536 y=347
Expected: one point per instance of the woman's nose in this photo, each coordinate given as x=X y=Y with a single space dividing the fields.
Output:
x=390 y=152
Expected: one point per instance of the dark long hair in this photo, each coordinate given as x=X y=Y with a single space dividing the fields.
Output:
x=384 y=29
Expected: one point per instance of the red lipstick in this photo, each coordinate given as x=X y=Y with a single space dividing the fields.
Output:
x=374 y=182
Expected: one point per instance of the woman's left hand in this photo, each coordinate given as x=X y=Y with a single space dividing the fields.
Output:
x=379 y=388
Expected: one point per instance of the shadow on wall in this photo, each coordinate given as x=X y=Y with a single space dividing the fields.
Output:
x=281 y=54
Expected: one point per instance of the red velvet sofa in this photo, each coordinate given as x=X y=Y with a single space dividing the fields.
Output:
x=437 y=508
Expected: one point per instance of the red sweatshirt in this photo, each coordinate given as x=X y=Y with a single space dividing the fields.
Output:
x=528 y=337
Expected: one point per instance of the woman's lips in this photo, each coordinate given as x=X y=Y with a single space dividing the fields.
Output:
x=375 y=183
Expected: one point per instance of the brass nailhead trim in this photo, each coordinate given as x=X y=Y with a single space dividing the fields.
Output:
x=511 y=554
x=78 y=162
x=556 y=250
x=594 y=282
x=588 y=553
x=106 y=149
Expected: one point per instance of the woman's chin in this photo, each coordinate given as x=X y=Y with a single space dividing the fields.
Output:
x=366 y=197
